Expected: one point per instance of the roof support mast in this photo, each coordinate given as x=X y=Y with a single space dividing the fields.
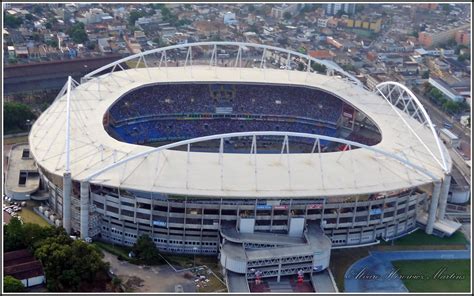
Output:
x=67 y=182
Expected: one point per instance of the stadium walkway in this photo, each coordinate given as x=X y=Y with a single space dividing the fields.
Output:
x=373 y=273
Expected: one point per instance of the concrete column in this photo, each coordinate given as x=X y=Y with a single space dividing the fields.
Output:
x=279 y=270
x=67 y=182
x=443 y=198
x=433 y=207
x=84 y=209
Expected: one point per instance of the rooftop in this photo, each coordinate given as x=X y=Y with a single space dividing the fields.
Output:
x=299 y=175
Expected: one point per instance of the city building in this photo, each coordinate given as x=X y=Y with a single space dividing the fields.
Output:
x=441 y=34
x=334 y=8
x=372 y=24
x=446 y=89
x=463 y=37
x=24 y=267
x=279 y=11
x=229 y=18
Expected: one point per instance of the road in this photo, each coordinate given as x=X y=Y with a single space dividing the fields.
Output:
x=438 y=117
x=461 y=165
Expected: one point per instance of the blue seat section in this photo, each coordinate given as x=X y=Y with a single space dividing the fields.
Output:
x=181 y=111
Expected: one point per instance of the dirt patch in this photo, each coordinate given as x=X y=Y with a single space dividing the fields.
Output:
x=133 y=283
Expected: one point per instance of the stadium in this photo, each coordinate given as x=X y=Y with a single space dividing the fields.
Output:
x=242 y=151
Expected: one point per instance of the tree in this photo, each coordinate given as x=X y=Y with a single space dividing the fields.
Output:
x=38 y=9
x=446 y=7
x=145 y=250
x=29 y=17
x=451 y=106
x=11 y=21
x=52 y=43
x=16 y=116
x=426 y=74
x=287 y=15
x=19 y=235
x=11 y=284
x=436 y=94
x=69 y=265
x=134 y=16
x=459 y=47
x=464 y=57
x=318 y=68
x=13 y=233
x=168 y=16
x=78 y=33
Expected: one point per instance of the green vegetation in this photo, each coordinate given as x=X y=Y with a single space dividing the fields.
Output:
x=16 y=117
x=463 y=57
x=29 y=17
x=459 y=47
x=435 y=275
x=342 y=259
x=78 y=33
x=349 y=67
x=20 y=235
x=29 y=216
x=419 y=237
x=11 y=21
x=426 y=74
x=145 y=251
x=287 y=15
x=52 y=43
x=11 y=284
x=134 y=16
x=438 y=97
x=318 y=68
x=159 y=42
x=69 y=265
x=446 y=7
x=119 y=251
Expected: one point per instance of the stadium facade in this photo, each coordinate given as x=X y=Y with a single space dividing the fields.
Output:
x=224 y=155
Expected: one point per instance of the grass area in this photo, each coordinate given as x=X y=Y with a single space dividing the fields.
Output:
x=15 y=140
x=188 y=261
x=181 y=262
x=363 y=33
x=342 y=259
x=214 y=285
x=419 y=237
x=29 y=216
x=114 y=249
x=435 y=275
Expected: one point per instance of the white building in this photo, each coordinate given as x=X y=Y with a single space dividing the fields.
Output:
x=446 y=90
x=229 y=18
x=280 y=10
x=323 y=22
